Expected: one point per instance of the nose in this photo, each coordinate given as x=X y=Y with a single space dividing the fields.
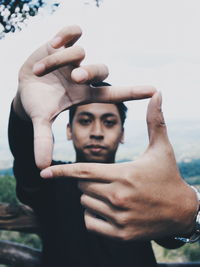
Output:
x=97 y=131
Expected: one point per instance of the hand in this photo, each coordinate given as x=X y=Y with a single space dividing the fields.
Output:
x=145 y=199
x=51 y=80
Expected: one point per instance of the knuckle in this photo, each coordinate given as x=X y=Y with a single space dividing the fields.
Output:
x=51 y=61
x=118 y=199
x=122 y=219
x=61 y=172
x=88 y=223
x=82 y=171
x=105 y=70
x=124 y=235
x=80 y=52
x=157 y=123
x=57 y=172
x=83 y=200
x=127 y=179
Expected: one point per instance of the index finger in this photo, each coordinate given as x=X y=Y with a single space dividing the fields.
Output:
x=121 y=93
x=86 y=171
x=67 y=36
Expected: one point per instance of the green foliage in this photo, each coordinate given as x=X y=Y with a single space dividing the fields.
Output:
x=13 y=13
x=8 y=195
x=192 y=252
x=98 y=2
x=186 y=253
x=7 y=189
x=190 y=169
x=31 y=240
x=193 y=180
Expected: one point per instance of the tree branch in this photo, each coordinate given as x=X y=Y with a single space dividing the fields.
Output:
x=18 y=218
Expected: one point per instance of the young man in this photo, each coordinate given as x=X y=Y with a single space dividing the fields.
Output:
x=50 y=81
x=96 y=130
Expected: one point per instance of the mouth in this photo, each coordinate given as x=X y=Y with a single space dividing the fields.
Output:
x=95 y=148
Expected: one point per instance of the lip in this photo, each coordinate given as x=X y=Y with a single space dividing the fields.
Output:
x=95 y=148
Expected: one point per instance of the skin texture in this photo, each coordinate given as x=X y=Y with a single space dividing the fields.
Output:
x=145 y=199
x=96 y=132
x=53 y=72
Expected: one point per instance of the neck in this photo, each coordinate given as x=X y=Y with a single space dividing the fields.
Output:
x=81 y=158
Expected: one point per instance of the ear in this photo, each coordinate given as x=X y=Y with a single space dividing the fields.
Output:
x=122 y=137
x=69 y=132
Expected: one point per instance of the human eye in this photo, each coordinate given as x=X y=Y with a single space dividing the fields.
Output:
x=84 y=121
x=109 y=123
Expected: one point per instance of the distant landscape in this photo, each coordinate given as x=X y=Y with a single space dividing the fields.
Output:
x=184 y=136
x=190 y=171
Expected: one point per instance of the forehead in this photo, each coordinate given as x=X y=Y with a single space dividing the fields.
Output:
x=98 y=109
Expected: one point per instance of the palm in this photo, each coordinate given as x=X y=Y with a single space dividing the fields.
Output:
x=56 y=89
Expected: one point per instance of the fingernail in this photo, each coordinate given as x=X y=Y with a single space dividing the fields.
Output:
x=80 y=75
x=56 y=41
x=38 y=68
x=46 y=173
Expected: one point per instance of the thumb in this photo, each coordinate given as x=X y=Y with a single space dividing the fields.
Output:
x=43 y=143
x=155 y=121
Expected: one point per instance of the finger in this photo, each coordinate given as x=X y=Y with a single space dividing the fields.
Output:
x=66 y=37
x=98 y=207
x=72 y=55
x=99 y=226
x=118 y=94
x=97 y=190
x=86 y=171
x=43 y=143
x=156 y=124
x=90 y=73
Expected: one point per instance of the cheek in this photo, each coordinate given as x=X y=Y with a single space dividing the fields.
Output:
x=80 y=136
x=114 y=138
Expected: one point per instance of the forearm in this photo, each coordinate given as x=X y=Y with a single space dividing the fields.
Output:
x=20 y=135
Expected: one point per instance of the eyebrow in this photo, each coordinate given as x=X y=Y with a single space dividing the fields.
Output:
x=89 y=114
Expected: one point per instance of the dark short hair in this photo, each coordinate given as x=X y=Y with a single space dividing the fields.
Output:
x=121 y=107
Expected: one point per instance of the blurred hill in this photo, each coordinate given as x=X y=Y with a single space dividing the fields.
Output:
x=190 y=171
x=184 y=136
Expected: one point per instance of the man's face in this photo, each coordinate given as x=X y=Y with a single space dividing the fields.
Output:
x=96 y=132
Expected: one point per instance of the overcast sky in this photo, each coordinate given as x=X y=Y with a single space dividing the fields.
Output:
x=153 y=42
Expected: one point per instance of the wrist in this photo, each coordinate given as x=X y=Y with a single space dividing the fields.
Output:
x=18 y=108
x=192 y=233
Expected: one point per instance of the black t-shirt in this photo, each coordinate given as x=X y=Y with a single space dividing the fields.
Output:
x=66 y=241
